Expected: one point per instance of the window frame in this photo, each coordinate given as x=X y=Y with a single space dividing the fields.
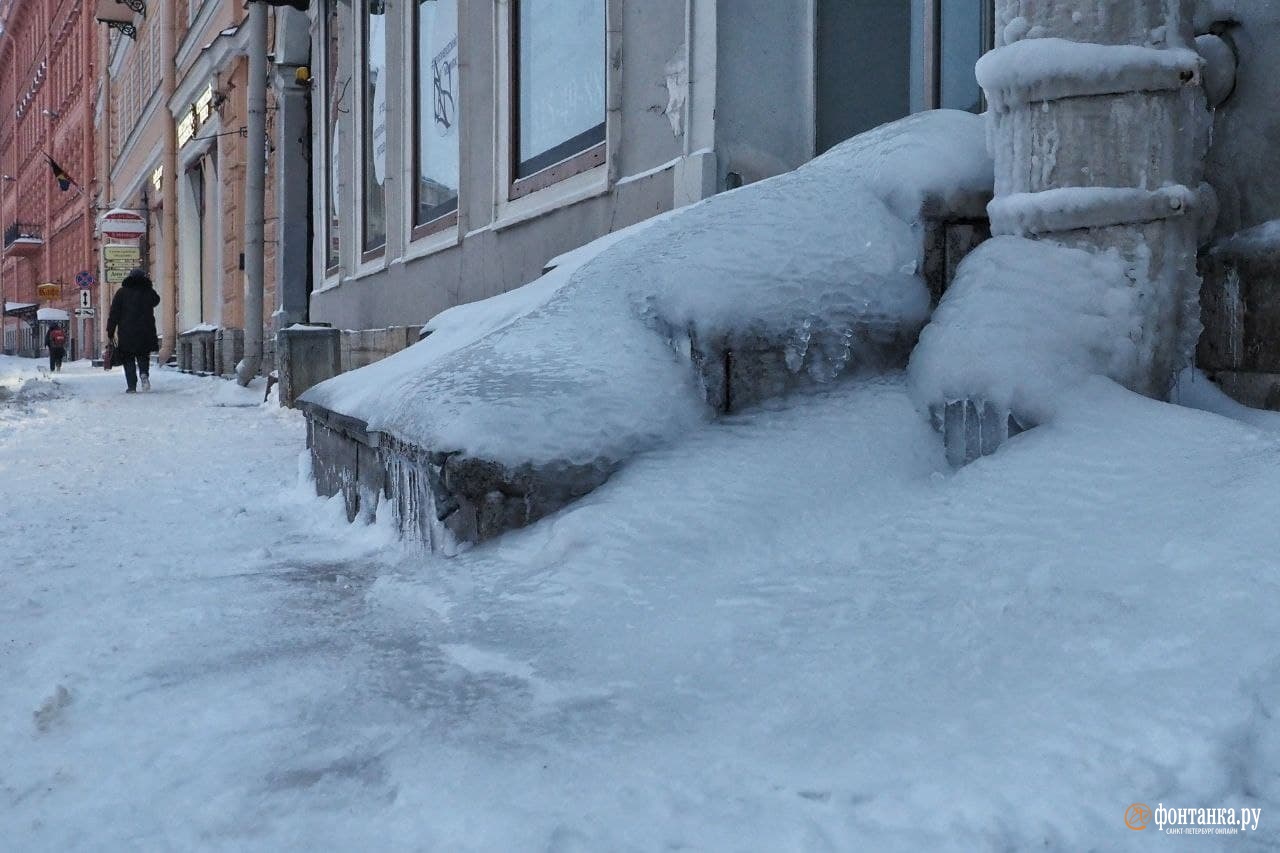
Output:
x=573 y=162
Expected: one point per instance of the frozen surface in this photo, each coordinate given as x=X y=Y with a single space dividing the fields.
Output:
x=1196 y=391
x=1067 y=208
x=592 y=360
x=1046 y=69
x=1262 y=239
x=792 y=631
x=1023 y=323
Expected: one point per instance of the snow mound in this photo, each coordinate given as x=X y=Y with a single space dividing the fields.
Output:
x=1025 y=321
x=24 y=381
x=593 y=360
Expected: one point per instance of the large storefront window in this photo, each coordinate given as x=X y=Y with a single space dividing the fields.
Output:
x=335 y=106
x=436 y=104
x=374 y=165
x=560 y=81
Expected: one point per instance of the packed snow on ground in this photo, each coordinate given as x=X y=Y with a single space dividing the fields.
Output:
x=824 y=261
x=24 y=382
x=796 y=629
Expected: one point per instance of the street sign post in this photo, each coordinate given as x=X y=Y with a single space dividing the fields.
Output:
x=86 y=299
x=85 y=312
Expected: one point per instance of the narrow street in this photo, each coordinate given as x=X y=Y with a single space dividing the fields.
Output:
x=795 y=627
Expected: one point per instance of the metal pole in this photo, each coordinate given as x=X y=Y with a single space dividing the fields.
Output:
x=169 y=162
x=254 y=194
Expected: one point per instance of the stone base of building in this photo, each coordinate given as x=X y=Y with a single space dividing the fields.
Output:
x=1240 y=309
x=210 y=351
x=446 y=501
x=308 y=355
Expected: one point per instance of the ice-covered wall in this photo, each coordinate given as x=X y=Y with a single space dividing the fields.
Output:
x=1246 y=127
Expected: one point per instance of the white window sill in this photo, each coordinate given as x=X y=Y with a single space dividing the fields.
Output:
x=580 y=187
x=432 y=243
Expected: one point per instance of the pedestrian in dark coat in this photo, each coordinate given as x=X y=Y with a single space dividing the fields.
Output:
x=132 y=322
x=56 y=340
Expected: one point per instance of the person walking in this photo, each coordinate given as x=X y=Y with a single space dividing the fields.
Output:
x=133 y=316
x=56 y=340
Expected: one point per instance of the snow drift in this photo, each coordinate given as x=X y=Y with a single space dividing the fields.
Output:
x=1025 y=321
x=593 y=360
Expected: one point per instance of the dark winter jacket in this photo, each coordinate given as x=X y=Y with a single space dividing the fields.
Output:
x=132 y=319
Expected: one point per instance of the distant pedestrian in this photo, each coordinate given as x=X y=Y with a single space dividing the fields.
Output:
x=56 y=340
x=133 y=314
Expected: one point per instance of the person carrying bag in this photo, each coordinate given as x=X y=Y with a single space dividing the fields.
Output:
x=133 y=317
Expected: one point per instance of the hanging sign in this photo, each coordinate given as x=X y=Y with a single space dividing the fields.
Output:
x=49 y=290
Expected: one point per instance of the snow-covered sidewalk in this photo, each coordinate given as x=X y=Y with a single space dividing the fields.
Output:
x=795 y=630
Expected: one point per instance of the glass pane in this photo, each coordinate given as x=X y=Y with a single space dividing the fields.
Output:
x=375 y=125
x=335 y=107
x=962 y=23
x=561 y=73
x=436 y=187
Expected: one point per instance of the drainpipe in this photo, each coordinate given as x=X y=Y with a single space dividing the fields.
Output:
x=613 y=89
x=169 y=187
x=1100 y=145
x=254 y=194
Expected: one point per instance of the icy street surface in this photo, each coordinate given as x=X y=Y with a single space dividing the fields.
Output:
x=794 y=630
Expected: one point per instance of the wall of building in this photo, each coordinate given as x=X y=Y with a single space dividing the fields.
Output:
x=497 y=244
x=1247 y=126
x=47 y=61
x=698 y=89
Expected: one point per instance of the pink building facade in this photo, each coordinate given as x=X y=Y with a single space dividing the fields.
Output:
x=47 y=66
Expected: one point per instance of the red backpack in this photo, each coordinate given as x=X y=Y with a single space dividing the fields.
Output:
x=58 y=337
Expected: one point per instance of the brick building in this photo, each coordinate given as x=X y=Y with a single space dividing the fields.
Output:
x=47 y=66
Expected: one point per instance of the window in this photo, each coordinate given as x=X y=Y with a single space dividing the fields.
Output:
x=435 y=166
x=335 y=106
x=559 y=87
x=374 y=133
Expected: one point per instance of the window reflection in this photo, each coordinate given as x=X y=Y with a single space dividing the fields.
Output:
x=375 y=125
x=560 y=91
x=436 y=143
x=963 y=23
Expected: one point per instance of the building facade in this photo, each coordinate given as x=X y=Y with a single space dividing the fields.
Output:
x=197 y=115
x=48 y=61
x=461 y=146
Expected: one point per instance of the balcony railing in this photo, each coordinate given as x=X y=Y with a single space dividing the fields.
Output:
x=22 y=231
